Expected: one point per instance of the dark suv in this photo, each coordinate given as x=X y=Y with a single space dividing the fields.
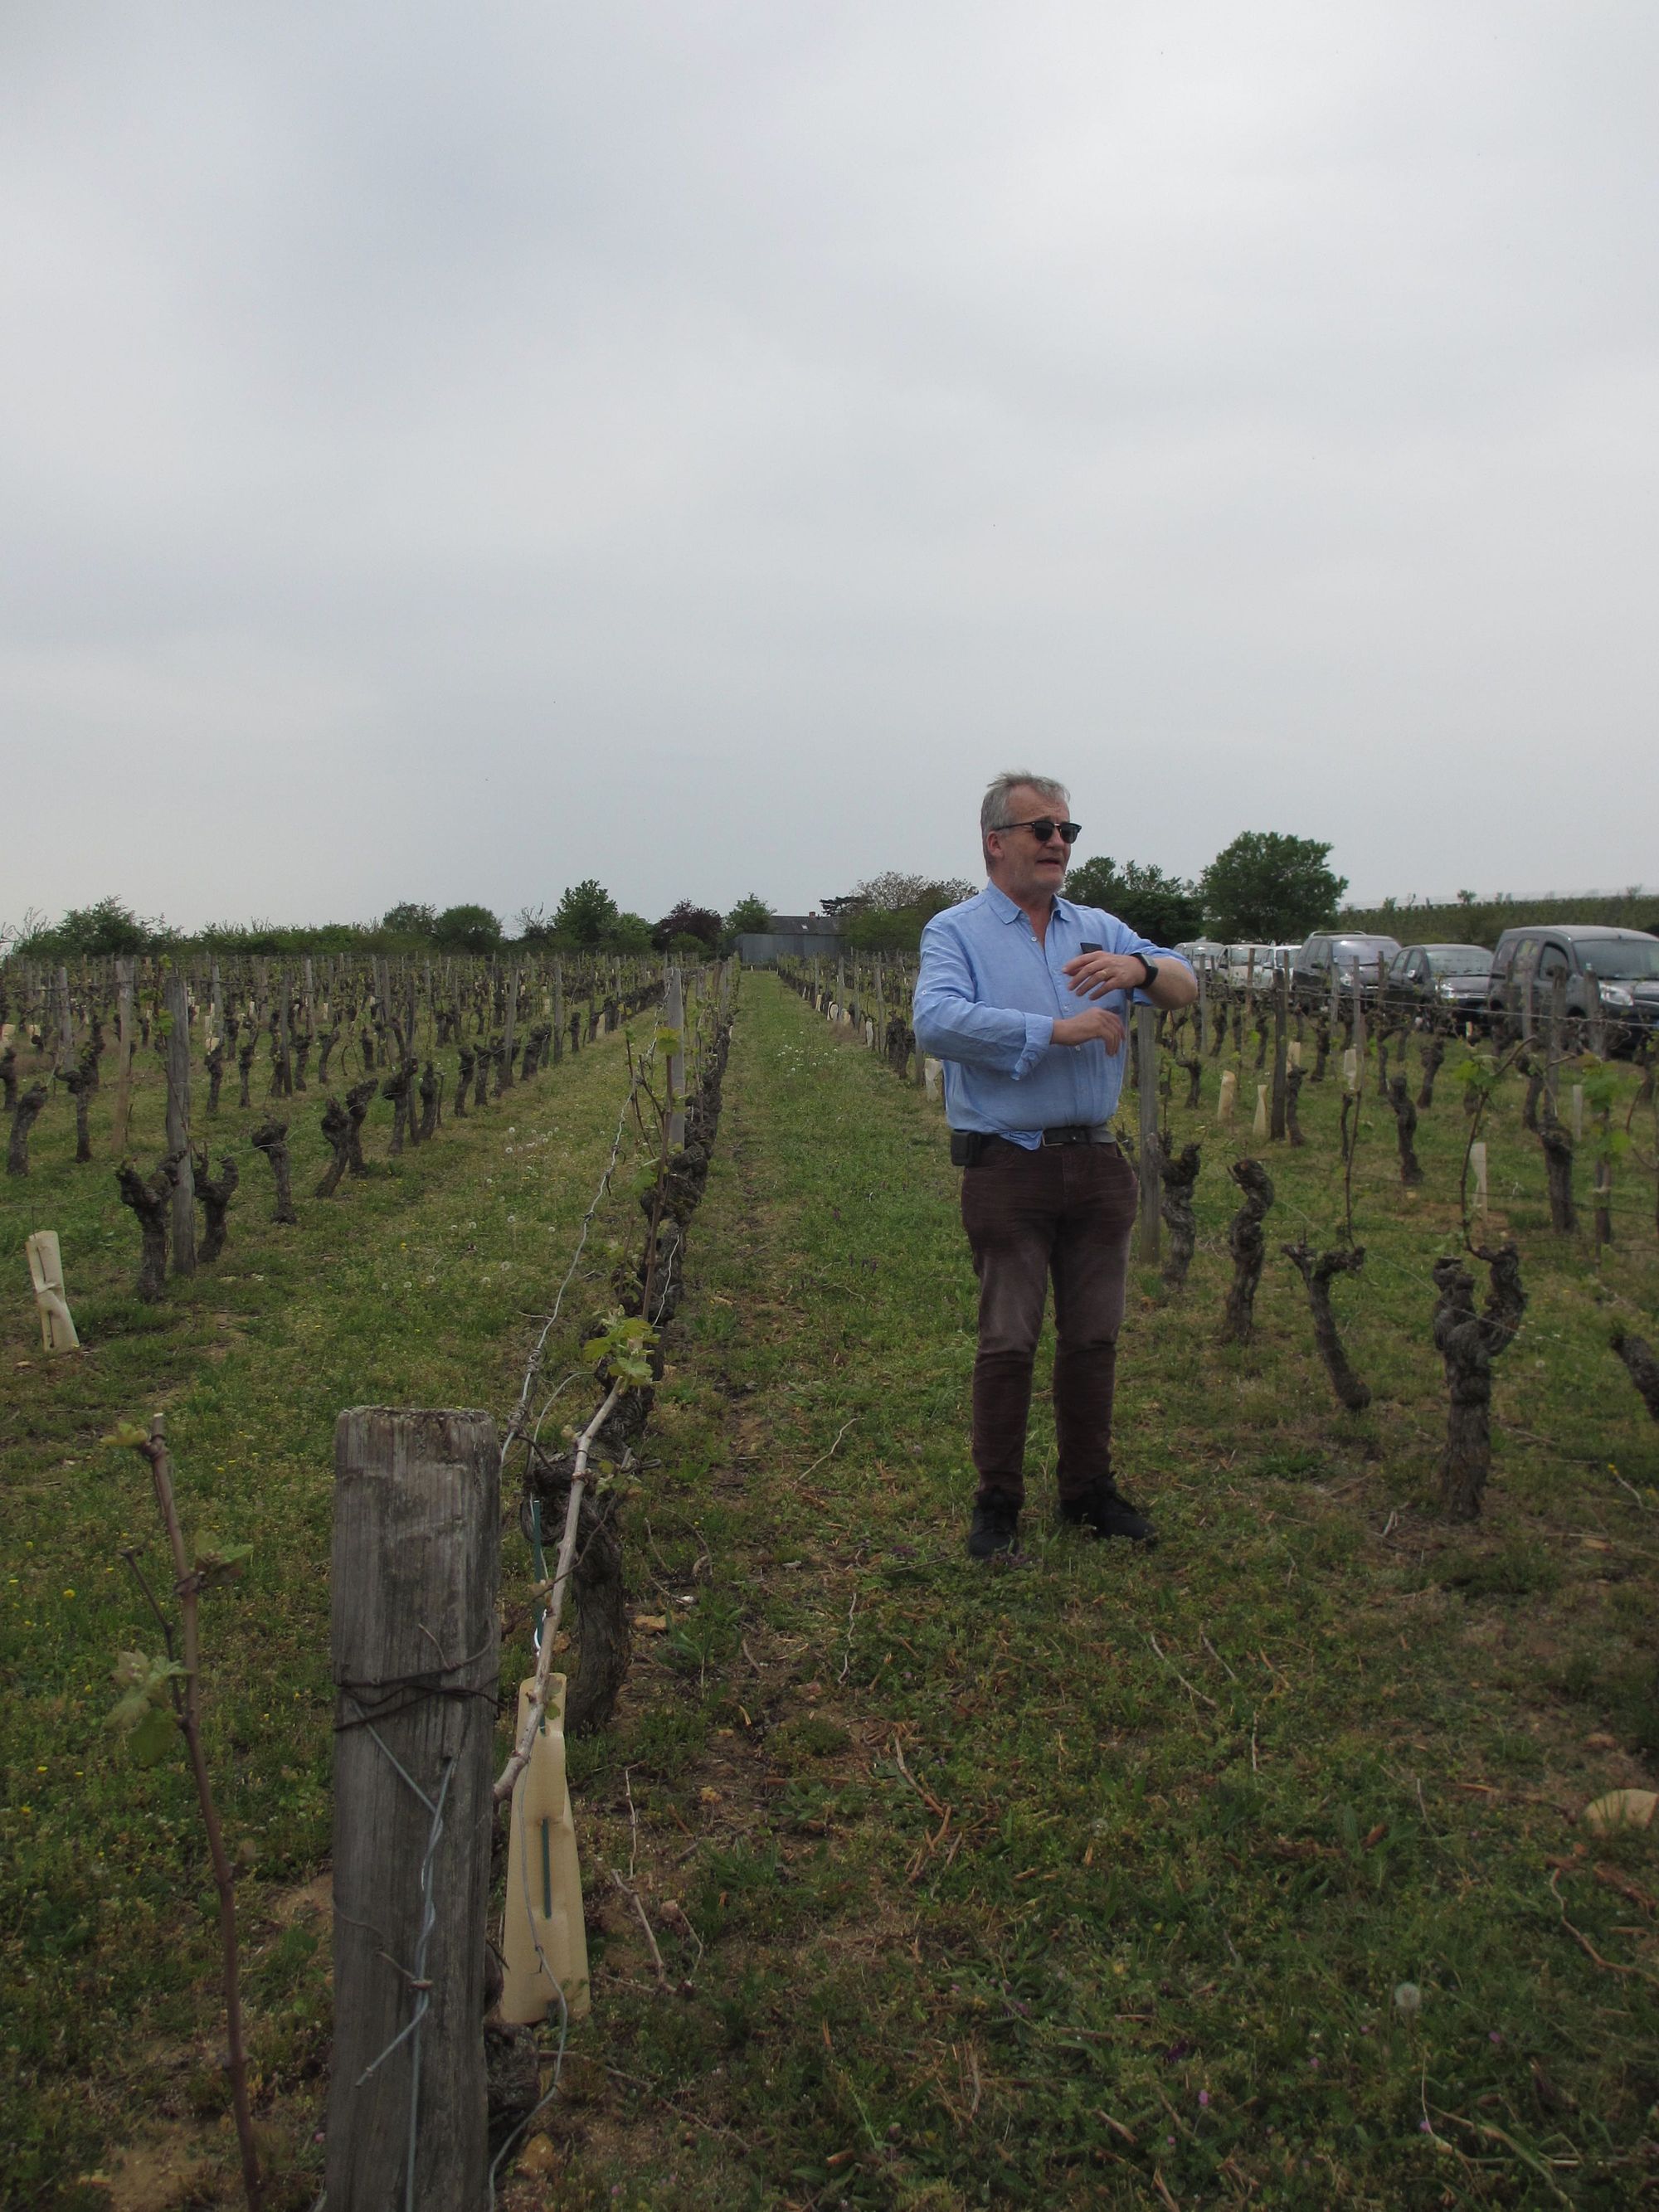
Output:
x=1440 y=979
x=1619 y=968
x=1330 y=952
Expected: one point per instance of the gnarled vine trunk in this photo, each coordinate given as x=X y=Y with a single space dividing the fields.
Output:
x=1179 y=1174
x=1318 y=1274
x=1434 y=1051
x=1247 y=1243
x=1467 y=1343
x=25 y=1115
x=1556 y=1142
x=216 y=1196
x=1643 y=1368
x=151 y=1200
x=271 y=1138
x=1405 y=1127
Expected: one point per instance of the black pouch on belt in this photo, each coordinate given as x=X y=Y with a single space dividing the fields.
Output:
x=966 y=1146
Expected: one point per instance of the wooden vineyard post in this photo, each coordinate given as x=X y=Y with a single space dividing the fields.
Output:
x=506 y=1035
x=558 y=1012
x=1145 y=1019
x=1358 y=1025
x=1281 y=1020
x=284 y=1086
x=178 y=1067
x=1558 y=1027
x=1203 y=966
x=123 y=1056
x=66 y=1018
x=415 y=1651
x=674 y=1018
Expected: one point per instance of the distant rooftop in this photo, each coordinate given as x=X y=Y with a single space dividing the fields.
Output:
x=802 y=925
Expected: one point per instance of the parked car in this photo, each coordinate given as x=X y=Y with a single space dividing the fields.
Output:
x=1202 y=952
x=1330 y=952
x=1613 y=973
x=1250 y=963
x=1439 y=979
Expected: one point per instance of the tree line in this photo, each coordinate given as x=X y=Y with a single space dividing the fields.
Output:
x=1265 y=884
x=585 y=919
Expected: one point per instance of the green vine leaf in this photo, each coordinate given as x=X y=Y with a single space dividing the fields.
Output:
x=146 y=1701
x=127 y=1435
x=153 y=1737
x=625 y=1344
x=218 y=1563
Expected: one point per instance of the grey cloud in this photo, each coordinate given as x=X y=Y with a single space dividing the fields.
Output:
x=446 y=455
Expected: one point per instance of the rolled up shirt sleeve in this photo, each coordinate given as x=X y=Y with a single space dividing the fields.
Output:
x=951 y=1024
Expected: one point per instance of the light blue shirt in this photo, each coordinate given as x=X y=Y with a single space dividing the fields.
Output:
x=988 y=997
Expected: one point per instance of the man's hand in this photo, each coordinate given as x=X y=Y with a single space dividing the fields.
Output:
x=1094 y=974
x=1097 y=1022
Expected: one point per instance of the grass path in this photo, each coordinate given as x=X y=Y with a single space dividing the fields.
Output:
x=1092 y=1880
x=1085 y=1882
x=420 y=1286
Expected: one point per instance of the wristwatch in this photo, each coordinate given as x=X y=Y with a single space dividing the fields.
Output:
x=1150 y=967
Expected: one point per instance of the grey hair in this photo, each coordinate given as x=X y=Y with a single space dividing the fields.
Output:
x=993 y=807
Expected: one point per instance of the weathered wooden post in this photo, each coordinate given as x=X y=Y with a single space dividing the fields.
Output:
x=415 y=1651
x=1281 y=1026
x=1597 y=1020
x=65 y=1017
x=1146 y=1020
x=123 y=1056
x=1557 y=1037
x=674 y=1018
x=504 y=1081
x=284 y=1084
x=1358 y=1023
x=178 y=1065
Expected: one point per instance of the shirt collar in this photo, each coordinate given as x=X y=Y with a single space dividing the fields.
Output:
x=1006 y=910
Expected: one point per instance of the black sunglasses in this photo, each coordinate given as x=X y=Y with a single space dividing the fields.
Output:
x=1044 y=828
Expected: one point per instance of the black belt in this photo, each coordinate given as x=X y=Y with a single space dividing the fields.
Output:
x=967 y=1146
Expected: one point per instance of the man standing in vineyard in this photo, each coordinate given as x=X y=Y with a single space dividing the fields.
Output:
x=1022 y=995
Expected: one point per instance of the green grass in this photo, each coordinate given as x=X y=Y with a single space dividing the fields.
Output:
x=417 y=1287
x=1180 y=1881
x=1207 y=1807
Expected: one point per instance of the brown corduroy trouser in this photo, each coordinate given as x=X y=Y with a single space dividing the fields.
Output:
x=1065 y=1211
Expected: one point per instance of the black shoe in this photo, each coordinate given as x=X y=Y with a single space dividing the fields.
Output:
x=995 y=1529
x=1100 y=1512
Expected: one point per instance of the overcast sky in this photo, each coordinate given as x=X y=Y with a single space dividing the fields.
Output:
x=445 y=452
